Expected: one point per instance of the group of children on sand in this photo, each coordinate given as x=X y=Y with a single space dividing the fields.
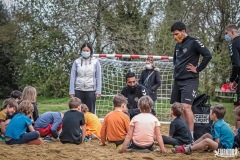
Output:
x=20 y=123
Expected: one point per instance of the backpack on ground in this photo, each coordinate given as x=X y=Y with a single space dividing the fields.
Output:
x=201 y=111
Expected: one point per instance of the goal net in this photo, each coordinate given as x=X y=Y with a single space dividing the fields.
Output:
x=113 y=80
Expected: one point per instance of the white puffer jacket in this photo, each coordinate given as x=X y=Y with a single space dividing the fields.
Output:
x=85 y=75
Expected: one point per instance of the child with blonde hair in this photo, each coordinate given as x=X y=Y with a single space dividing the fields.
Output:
x=93 y=124
x=30 y=94
x=144 y=128
x=16 y=129
x=9 y=107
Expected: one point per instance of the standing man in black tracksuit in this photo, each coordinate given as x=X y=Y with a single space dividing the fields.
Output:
x=231 y=34
x=150 y=78
x=133 y=92
x=186 y=70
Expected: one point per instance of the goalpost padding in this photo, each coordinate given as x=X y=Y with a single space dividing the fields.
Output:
x=113 y=80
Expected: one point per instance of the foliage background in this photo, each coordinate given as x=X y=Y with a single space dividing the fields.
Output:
x=40 y=39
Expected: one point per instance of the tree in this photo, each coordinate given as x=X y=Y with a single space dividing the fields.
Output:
x=44 y=37
x=7 y=36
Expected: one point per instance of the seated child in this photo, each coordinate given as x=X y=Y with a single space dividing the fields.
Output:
x=222 y=136
x=30 y=94
x=73 y=125
x=9 y=107
x=179 y=133
x=93 y=124
x=237 y=133
x=143 y=129
x=16 y=129
x=49 y=123
x=17 y=95
x=116 y=123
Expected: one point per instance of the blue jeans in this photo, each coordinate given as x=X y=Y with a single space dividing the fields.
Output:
x=24 y=138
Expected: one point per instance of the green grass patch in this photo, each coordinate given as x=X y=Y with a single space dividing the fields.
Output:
x=44 y=100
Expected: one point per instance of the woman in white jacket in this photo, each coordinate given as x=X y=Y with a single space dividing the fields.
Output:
x=85 y=80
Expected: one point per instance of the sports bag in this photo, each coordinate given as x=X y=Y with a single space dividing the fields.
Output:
x=201 y=111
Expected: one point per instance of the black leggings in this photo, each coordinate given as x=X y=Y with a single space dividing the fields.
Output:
x=88 y=98
x=117 y=142
x=171 y=141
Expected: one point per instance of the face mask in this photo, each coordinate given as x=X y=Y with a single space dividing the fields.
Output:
x=179 y=38
x=85 y=54
x=132 y=88
x=227 y=37
x=148 y=66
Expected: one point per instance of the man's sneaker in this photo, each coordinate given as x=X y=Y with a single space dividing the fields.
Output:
x=181 y=149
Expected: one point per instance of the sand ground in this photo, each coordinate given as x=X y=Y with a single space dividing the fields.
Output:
x=91 y=150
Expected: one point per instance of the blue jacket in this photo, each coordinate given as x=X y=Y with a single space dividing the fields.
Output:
x=47 y=118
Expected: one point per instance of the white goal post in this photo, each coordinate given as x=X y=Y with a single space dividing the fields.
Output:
x=114 y=68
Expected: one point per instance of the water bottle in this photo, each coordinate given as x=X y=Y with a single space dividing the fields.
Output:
x=235 y=98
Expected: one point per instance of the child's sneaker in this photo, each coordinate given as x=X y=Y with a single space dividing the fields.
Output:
x=93 y=136
x=181 y=149
x=184 y=145
x=48 y=139
x=2 y=138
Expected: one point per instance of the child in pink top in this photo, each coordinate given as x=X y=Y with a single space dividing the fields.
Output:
x=143 y=128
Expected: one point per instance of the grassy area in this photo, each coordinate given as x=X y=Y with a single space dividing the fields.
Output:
x=229 y=117
x=59 y=104
x=52 y=104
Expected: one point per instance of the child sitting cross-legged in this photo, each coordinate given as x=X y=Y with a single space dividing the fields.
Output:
x=222 y=136
x=9 y=107
x=16 y=129
x=116 y=123
x=49 y=124
x=73 y=125
x=144 y=129
x=179 y=133
x=93 y=124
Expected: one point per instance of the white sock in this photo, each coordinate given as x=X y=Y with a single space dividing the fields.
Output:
x=192 y=134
